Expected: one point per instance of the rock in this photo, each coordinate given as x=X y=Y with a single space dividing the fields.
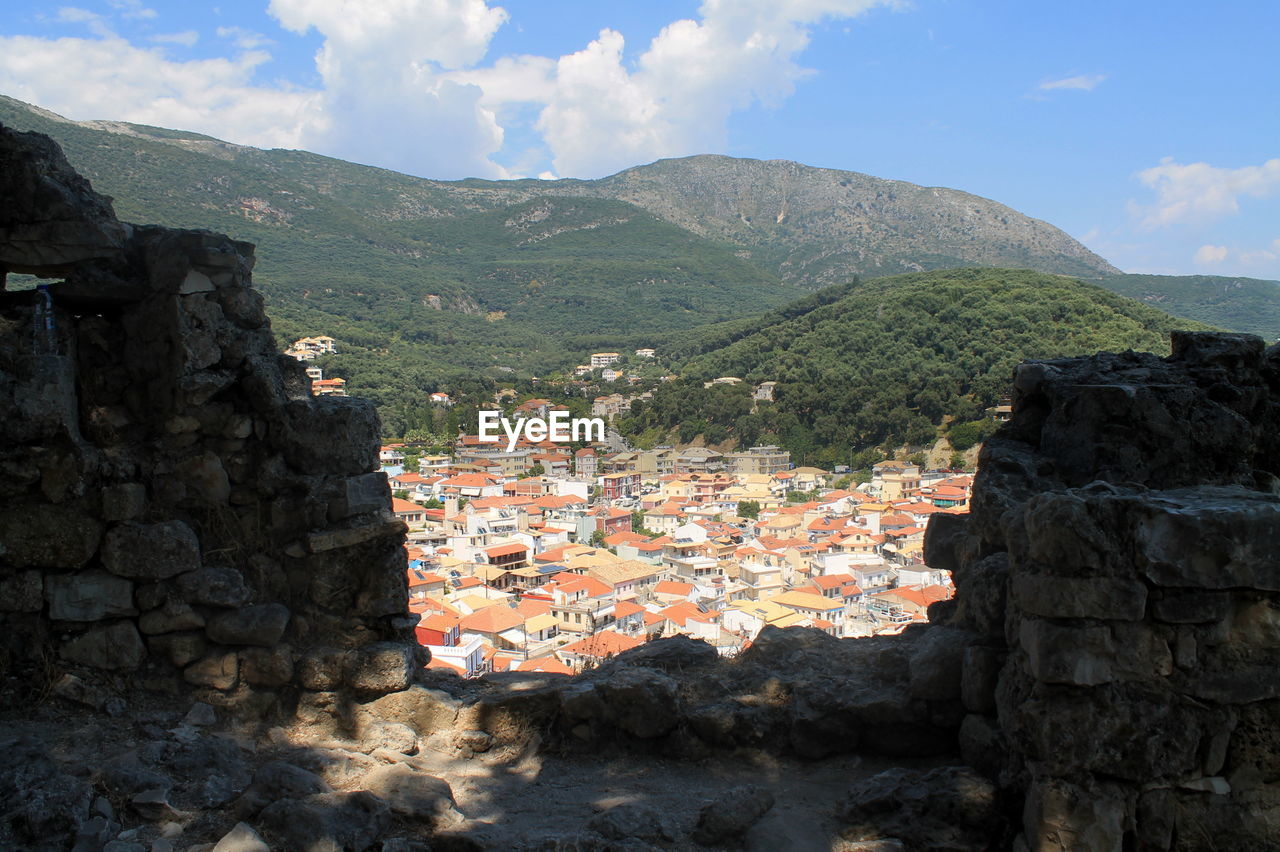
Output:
x=53 y=219
x=22 y=592
x=262 y=624
x=267 y=666
x=123 y=502
x=214 y=585
x=219 y=670
x=242 y=838
x=413 y=794
x=1193 y=607
x=322 y=669
x=476 y=741
x=278 y=780
x=201 y=715
x=171 y=617
x=153 y=805
x=39 y=535
x=677 y=653
x=381 y=667
x=1111 y=598
x=179 y=648
x=422 y=709
x=1083 y=656
x=389 y=735
x=41 y=805
x=642 y=702
x=731 y=814
x=151 y=551
x=632 y=822
x=116 y=646
x=320 y=542
x=979 y=674
x=307 y=444
x=88 y=596
x=946 y=808
x=937 y=662
x=205 y=477
x=326 y=822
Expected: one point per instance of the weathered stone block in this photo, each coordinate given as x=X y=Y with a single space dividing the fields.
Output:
x=263 y=625
x=115 y=646
x=179 y=648
x=171 y=617
x=980 y=672
x=151 y=551
x=936 y=663
x=124 y=502
x=1192 y=607
x=22 y=592
x=214 y=585
x=308 y=446
x=1083 y=656
x=1060 y=815
x=1210 y=538
x=39 y=535
x=219 y=670
x=267 y=666
x=381 y=667
x=1106 y=598
x=88 y=596
x=642 y=702
x=322 y=669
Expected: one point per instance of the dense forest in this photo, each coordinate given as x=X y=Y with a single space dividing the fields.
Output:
x=893 y=359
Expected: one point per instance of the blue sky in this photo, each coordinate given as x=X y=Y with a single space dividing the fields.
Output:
x=1150 y=131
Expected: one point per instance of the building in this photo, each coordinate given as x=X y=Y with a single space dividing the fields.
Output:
x=645 y=353
x=764 y=391
x=604 y=359
x=765 y=460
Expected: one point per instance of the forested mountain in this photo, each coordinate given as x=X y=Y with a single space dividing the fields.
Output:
x=885 y=362
x=478 y=273
x=1240 y=304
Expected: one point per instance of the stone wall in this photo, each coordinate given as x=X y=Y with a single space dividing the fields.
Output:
x=175 y=506
x=1122 y=561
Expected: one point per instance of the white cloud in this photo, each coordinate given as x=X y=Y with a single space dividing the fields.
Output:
x=243 y=38
x=1199 y=192
x=385 y=89
x=1208 y=254
x=406 y=84
x=132 y=9
x=86 y=78
x=677 y=100
x=1080 y=83
x=186 y=38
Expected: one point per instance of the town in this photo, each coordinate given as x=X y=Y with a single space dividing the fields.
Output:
x=557 y=571
x=533 y=554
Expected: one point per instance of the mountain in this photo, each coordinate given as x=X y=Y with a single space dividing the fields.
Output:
x=890 y=360
x=1241 y=304
x=385 y=259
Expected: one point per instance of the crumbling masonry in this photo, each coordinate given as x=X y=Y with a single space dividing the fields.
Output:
x=177 y=513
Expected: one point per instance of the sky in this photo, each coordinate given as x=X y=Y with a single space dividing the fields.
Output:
x=1149 y=131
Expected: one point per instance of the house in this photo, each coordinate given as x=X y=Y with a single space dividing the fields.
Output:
x=410 y=513
x=604 y=359
x=440 y=398
x=895 y=480
x=645 y=353
x=811 y=605
x=500 y=626
x=593 y=650
x=438 y=629
x=584 y=463
x=465 y=659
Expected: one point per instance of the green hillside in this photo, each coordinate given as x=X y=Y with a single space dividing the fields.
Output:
x=890 y=360
x=1240 y=304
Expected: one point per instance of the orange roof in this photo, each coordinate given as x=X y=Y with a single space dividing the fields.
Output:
x=682 y=613
x=602 y=644
x=439 y=621
x=398 y=506
x=437 y=663
x=505 y=550
x=549 y=665
x=624 y=537
x=573 y=583
x=672 y=587
x=622 y=609
x=492 y=619
x=530 y=607
x=832 y=581
x=471 y=480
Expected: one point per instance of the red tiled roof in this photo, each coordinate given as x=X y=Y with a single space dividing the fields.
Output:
x=505 y=550
x=600 y=645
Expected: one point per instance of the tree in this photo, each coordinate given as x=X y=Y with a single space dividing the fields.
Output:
x=749 y=509
x=597 y=538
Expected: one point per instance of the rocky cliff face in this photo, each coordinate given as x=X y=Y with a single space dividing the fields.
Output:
x=174 y=505
x=824 y=226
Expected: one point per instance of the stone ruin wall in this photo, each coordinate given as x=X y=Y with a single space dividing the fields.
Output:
x=175 y=507
x=177 y=512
